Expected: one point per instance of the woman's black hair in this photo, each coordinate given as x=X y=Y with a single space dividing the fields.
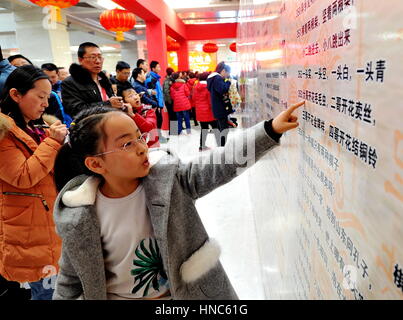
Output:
x=23 y=79
x=85 y=133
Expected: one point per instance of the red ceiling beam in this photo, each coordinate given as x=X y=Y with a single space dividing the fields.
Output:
x=211 y=31
x=152 y=10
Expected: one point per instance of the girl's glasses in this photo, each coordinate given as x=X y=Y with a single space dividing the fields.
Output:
x=129 y=145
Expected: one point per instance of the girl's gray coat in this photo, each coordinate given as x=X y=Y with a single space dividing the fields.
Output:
x=190 y=258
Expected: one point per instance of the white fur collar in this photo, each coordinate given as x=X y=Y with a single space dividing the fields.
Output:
x=85 y=195
x=201 y=261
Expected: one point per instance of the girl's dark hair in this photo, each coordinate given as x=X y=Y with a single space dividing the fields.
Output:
x=85 y=133
x=23 y=79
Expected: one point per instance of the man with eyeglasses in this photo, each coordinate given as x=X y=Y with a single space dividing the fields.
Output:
x=122 y=75
x=87 y=85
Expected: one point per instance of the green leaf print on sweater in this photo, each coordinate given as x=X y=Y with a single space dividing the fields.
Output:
x=149 y=268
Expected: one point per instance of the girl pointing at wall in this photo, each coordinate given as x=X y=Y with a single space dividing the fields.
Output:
x=127 y=217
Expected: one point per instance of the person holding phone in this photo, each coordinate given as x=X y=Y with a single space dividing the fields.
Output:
x=88 y=86
x=139 y=77
x=29 y=245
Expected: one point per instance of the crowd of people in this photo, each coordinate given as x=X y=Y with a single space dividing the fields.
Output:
x=87 y=211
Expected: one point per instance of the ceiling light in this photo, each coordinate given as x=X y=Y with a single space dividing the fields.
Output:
x=199 y=47
x=108 y=4
x=227 y=14
x=184 y=4
x=255 y=2
x=107 y=48
x=234 y=20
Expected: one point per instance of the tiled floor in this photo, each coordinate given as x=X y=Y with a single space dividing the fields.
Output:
x=227 y=215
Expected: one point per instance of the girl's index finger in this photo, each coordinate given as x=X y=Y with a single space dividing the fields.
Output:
x=295 y=107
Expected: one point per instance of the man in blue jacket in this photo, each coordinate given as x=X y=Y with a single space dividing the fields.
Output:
x=139 y=77
x=153 y=83
x=218 y=84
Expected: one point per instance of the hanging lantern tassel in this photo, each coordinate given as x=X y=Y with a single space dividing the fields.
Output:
x=120 y=36
x=54 y=7
x=55 y=14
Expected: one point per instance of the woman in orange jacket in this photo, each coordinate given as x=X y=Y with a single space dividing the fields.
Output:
x=29 y=245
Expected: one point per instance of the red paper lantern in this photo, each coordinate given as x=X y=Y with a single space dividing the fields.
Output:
x=117 y=20
x=173 y=45
x=232 y=47
x=57 y=3
x=210 y=48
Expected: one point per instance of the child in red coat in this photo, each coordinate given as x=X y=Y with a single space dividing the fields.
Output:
x=143 y=115
x=180 y=96
x=204 y=113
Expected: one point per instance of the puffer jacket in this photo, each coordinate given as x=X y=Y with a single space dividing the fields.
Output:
x=191 y=84
x=201 y=98
x=29 y=245
x=180 y=96
x=147 y=122
x=218 y=87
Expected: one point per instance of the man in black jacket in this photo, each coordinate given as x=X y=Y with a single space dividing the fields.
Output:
x=122 y=75
x=87 y=85
x=218 y=85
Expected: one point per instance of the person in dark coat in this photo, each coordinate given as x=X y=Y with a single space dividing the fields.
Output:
x=139 y=77
x=218 y=85
x=87 y=85
x=52 y=72
x=122 y=75
x=166 y=88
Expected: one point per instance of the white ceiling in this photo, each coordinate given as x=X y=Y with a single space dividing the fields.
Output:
x=86 y=14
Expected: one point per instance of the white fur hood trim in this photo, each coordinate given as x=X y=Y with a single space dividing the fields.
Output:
x=85 y=195
x=201 y=261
